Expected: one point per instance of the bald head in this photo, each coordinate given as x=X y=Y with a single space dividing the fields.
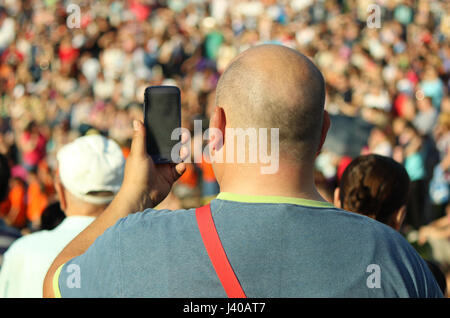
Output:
x=272 y=86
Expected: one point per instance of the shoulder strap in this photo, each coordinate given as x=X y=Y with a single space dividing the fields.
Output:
x=217 y=254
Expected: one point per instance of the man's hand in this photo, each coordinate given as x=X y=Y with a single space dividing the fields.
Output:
x=145 y=183
x=144 y=186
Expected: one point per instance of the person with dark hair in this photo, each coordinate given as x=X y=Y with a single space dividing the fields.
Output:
x=414 y=161
x=7 y=234
x=268 y=233
x=378 y=187
x=439 y=275
x=5 y=174
x=51 y=217
x=375 y=186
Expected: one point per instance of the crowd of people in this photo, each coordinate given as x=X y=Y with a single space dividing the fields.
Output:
x=59 y=82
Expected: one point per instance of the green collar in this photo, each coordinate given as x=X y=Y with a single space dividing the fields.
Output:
x=272 y=199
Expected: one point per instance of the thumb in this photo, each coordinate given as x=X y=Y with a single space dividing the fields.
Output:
x=138 y=143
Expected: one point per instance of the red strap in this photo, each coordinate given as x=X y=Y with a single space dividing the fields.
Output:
x=217 y=254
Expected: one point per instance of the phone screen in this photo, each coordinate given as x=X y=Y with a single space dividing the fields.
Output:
x=162 y=114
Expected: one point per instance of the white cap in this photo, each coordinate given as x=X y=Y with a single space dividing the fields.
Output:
x=91 y=163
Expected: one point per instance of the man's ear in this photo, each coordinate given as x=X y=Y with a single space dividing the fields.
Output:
x=398 y=217
x=325 y=126
x=336 y=200
x=217 y=125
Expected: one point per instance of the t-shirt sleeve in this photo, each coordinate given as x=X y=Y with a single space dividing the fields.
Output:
x=96 y=273
x=426 y=284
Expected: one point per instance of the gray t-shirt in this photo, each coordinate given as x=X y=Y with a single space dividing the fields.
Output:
x=277 y=246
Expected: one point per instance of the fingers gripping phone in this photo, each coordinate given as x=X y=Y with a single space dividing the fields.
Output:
x=162 y=114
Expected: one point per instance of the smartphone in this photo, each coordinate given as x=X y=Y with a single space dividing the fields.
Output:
x=162 y=114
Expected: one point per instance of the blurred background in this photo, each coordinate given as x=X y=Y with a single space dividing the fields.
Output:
x=387 y=86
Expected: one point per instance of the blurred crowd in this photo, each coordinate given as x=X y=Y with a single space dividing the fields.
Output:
x=60 y=80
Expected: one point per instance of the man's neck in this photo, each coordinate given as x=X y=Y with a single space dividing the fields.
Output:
x=83 y=212
x=289 y=181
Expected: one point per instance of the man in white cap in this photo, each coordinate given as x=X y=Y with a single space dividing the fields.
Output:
x=90 y=173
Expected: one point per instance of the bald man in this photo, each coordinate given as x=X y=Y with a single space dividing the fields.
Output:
x=266 y=234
